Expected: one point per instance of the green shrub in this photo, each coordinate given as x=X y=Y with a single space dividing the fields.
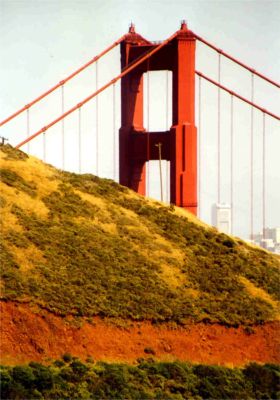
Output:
x=148 y=380
x=24 y=375
x=265 y=380
x=67 y=357
x=43 y=376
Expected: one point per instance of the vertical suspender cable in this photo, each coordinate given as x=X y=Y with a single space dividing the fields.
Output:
x=219 y=130
x=44 y=146
x=264 y=178
x=167 y=99
x=167 y=128
x=80 y=139
x=148 y=130
x=199 y=147
x=62 y=128
x=28 y=128
x=231 y=162
x=96 y=120
x=252 y=162
x=114 y=131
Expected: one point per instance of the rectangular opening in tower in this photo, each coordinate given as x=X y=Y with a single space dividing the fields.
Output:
x=157 y=100
x=158 y=118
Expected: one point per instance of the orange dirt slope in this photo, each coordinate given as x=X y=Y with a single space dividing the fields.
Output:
x=29 y=335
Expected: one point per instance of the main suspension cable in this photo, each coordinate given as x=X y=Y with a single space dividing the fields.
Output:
x=212 y=46
x=108 y=84
x=90 y=62
x=238 y=95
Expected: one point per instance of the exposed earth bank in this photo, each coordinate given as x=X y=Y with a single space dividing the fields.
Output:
x=27 y=335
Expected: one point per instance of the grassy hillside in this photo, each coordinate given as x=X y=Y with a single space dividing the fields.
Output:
x=77 y=244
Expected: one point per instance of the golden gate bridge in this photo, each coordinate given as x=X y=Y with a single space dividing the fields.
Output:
x=136 y=146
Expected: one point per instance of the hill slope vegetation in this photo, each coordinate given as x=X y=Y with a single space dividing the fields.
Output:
x=85 y=246
x=70 y=378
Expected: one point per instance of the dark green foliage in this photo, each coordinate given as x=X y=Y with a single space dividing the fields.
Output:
x=265 y=381
x=12 y=179
x=12 y=153
x=79 y=369
x=59 y=363
x=67 y=357
x=222 y=383
x=147 y=380
x=43 y=377
x=5 y=380
x=23 y=375
x=149 y=350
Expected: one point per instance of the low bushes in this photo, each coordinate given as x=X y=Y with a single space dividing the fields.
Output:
x=147 y=380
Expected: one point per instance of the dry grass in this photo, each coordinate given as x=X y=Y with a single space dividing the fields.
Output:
x=169 y=249
x=23 y=200
x=27 y=258
x=33 y=170
x=260 y=293
x=109 y=227
x=9 y=221
x=96 y=201
x=172 y=276
x=129 y=214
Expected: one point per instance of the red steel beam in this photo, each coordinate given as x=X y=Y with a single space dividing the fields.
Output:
x=87 y=99
x=90 y=62
x=237 y=95
x=212 y=46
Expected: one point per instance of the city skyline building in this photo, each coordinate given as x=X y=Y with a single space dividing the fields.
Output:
x=269 y=239
x=221 y=217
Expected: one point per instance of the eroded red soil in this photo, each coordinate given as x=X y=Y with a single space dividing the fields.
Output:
x=27 y=335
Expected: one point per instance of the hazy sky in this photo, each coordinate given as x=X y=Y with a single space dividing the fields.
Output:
x=42 y=41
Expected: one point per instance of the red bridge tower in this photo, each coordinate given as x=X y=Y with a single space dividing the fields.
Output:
x=179 y=144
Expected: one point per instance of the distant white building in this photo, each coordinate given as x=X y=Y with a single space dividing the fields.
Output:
x=272 y=233
x=222 y=217
x=268 y=239
x=268 y=244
